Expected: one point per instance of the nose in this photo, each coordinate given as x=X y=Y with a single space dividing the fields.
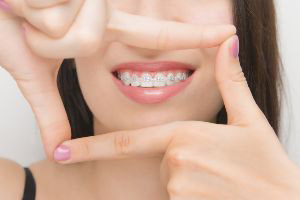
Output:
x=156 y=9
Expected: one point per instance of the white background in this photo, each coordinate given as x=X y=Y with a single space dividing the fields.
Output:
x=19 y=136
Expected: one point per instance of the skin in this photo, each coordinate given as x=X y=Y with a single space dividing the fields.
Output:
x=169 y=156
x=42 y=54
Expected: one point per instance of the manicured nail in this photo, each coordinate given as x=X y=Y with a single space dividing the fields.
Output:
x=62 y=153
x=4 y=6
x=235 y=48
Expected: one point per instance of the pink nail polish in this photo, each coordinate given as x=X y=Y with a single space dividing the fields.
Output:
x=4 y=6
x=62 y=153
x=235 y=48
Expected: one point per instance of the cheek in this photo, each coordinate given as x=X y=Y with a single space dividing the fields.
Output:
x=209 y=12
x=201 y=101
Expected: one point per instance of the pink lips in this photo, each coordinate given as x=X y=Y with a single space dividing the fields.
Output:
x=152 y=95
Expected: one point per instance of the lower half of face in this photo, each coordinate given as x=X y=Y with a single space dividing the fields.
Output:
x=128 y=87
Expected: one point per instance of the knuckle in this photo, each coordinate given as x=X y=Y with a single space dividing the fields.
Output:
x=122 y=143
x=175 y=158
x=84 y=150
x=163 y=39
x=238 y=77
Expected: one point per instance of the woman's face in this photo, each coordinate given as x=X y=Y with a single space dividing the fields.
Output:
x=199 y=100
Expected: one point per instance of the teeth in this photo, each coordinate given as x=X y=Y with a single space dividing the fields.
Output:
x=135 y=80
x=125 y=77
x=179 y=77
x=170 y=79
x=184 y=75
x=146 y=80
x=159 y=80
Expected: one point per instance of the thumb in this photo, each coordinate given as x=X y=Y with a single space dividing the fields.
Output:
x=239 y=103
x=42 y=94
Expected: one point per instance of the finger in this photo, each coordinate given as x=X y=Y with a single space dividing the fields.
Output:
x=149 y=141
x=36 y=79
x=240 y=105
x=84 y=36
x=45 y=101
x=145 y=142
x=151 y=33
x=44 y=3
x=54 y=21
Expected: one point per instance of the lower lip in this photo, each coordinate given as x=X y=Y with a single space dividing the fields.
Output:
x=152 y=95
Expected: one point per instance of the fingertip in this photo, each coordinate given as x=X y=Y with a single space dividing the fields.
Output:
x=230 y=29
x=5 y=6
x=227 y=60
x=62 y=153
x=229 y=50
x=235 y=47
x=234 y=29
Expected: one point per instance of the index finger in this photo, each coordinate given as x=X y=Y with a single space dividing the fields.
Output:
x=144 y=142
x=151 y=33
x=116 y=145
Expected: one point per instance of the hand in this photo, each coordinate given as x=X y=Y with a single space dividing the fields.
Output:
x=241 y=160
x=52 y=17
x=85 y=35
x=36 y=75
x=35 y=78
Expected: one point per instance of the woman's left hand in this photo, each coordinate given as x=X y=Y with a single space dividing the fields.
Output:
x=241 y=160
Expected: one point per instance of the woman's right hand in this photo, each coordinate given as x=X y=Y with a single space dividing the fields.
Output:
x=36 y=75
x=34 y=60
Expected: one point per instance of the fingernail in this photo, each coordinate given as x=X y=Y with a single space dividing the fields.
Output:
x=62 y=153
x=235 y=48
x=4 y=6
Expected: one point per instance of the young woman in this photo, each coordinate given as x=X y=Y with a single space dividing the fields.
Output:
x=159 y=101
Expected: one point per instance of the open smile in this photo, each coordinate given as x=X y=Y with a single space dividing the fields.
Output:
x=154 y=82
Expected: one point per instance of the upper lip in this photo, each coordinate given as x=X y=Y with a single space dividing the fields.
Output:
x=153 y=66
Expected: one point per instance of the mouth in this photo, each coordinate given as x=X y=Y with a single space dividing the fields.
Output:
x=155 y=82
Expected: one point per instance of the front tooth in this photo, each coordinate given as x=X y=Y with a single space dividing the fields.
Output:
x=135 y=80
x=146 y=80
x=159 y=80
x=125 y=77
x=170 y=79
